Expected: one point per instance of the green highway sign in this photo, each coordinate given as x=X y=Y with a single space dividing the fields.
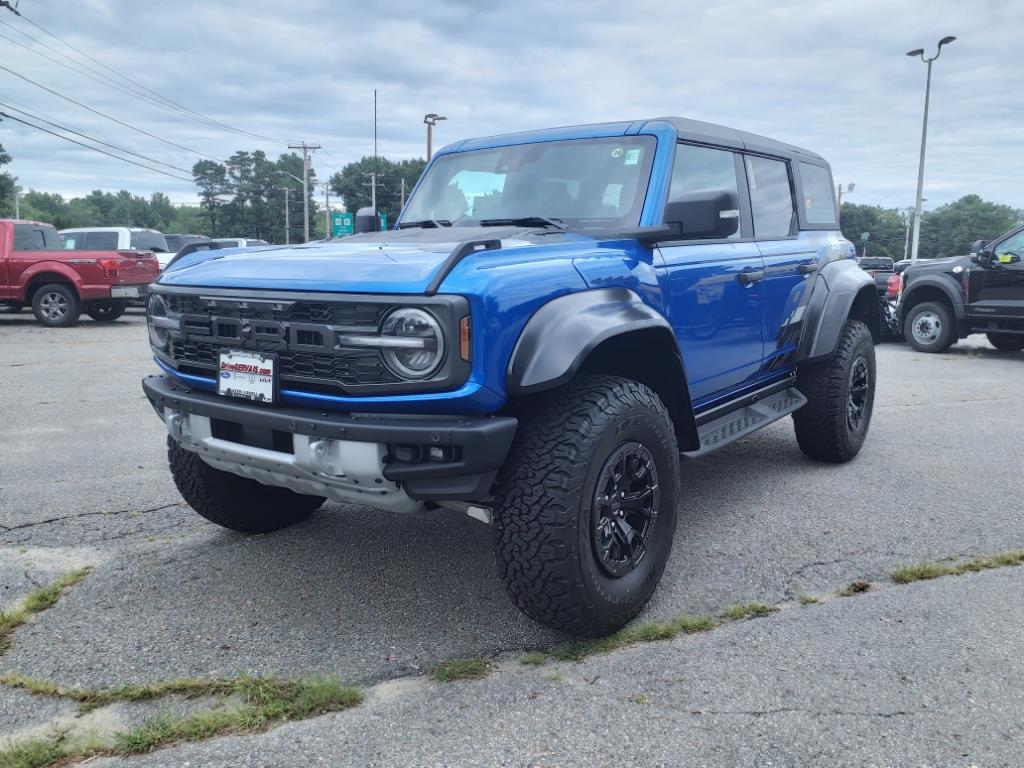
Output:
x=342 y=223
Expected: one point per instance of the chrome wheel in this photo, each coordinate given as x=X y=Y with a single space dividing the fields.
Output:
x=54 y=306
x=927 y=328
x=625 y=507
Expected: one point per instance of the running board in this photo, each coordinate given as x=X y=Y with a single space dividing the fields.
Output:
x=746 y=420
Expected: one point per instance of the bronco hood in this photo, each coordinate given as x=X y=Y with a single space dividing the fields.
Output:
x=400 y=261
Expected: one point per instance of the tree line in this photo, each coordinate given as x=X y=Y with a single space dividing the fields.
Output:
x=244 y=197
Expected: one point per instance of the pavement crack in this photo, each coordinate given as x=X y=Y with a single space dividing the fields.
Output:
x=62 y=518
x=789 y=710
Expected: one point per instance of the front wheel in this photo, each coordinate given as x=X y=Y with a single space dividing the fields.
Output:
x=235 y=502
x=1007 y=342
x=586 y=505
x=107 y=311
x=930 y=327
x=56 y=305
x=840 y=396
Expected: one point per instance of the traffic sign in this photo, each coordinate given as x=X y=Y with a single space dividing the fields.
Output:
x=342 y=223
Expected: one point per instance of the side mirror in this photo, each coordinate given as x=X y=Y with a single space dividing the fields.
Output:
x=704 y=215
x=367 y=220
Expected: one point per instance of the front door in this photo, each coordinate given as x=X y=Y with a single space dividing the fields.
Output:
x=715 y=288
x=997 y=288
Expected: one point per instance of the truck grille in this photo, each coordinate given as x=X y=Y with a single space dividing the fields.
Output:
x=326 y=372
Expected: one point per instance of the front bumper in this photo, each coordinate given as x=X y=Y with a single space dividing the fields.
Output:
x=342 y=456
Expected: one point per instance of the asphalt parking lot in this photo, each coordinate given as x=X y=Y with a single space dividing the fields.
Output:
x=923 y=674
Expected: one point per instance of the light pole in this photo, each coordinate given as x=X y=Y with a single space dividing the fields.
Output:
x=287 y=226
x=305 y=201
x=430 y=121
x=839 y=197
x=924 y=137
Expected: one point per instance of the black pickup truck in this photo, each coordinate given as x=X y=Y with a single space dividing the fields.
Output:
x=879 y=267
x=946 y=299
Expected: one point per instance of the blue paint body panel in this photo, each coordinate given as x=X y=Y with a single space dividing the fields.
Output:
x=731 y=337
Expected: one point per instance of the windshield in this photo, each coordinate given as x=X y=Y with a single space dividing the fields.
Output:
x=148 y=240
x=580 y=182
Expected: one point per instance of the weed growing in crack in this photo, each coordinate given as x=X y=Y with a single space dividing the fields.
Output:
x=35 y=602
x=461 y=669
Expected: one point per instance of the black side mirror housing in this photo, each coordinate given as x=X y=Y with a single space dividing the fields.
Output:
x=367 y=220
x=704 y=215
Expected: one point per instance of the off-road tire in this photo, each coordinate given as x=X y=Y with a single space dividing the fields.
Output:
x=1007 y=342
x=107 y=311
x=544 y=545
x=823 y=426
x=56 y=305
x=235 y=502
x=947 y=334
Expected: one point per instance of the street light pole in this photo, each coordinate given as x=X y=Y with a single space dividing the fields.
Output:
x=287 y=226
x=306 y=149
x=839 y=197
x=924 y=138
x=430 y=121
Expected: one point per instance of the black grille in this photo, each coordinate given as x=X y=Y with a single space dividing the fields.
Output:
x=351 y=314
x=360 y=367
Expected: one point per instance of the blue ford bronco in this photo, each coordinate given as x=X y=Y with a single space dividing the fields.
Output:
x=557 y=318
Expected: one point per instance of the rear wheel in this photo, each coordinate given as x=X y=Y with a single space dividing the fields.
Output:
x=1008 y=342
x=930 y=327
x=106 y=311
x=586 y=505
x=840 y=398
x=236 y=502
x=56 y=305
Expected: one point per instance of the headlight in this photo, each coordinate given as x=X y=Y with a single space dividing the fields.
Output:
x=412 y=343
x=156 y=310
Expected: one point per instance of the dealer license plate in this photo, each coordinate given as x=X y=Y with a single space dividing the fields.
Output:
x=247 y=375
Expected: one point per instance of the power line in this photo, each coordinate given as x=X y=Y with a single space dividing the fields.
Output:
x=94 y=139
x=176 y=105
x=108 y=117
x=94 y=149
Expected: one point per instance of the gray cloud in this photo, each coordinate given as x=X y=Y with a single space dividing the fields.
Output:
x=831 y=77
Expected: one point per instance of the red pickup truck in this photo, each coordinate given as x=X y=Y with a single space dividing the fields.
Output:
x=59 y=285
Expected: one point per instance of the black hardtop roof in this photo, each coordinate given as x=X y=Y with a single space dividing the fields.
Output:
x=710 y=133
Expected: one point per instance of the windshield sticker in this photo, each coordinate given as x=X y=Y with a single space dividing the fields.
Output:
x=617 y=152
x=632 y=157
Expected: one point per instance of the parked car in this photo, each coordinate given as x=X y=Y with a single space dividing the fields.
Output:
x=113 y=238
x=59 y=284
x=946 y=299
x=175 y=243
x=240 y=242
x=901 y=265
x=879 y=267
x=558 y=315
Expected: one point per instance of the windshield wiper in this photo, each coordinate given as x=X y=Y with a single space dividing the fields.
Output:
x=523 y=221
x=425 y=224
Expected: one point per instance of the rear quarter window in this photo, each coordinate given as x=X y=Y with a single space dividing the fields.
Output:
x=36 y=237
x=818 y=201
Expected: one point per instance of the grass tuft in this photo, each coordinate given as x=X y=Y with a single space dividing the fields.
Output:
x=36 y=602
x=854 y=588
x=32 y=754
x=461 y=669
x=739 y=611
x=533 y=659
x=805 y=599
x=648 y=632
x=925 y=571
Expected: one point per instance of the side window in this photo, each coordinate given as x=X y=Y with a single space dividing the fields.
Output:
x=819 y=202
x=28 y=238
x=1013 y=245
x=771 y=197
x=703 y=169
x=101 y=241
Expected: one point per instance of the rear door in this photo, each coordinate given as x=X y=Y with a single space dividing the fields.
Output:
x=997 y=289
x=714 y=287
x=787 y=255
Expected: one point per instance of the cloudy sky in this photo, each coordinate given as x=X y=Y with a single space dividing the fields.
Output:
x=829 y=76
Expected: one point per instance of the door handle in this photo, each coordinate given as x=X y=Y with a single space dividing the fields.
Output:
x=806 y=269
x=747 y=278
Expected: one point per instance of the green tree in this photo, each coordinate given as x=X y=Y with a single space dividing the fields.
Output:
x=212 y=180
x=885 y=226
x=950 y=229
x=352 y=183
x=8 y=186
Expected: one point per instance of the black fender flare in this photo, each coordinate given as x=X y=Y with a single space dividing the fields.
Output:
x=838 y=288
x=943 y=283
x=561 y=334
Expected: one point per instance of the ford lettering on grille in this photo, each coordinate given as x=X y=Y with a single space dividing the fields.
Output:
x=265 y=334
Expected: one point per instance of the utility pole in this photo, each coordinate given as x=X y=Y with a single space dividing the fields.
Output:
x=327 y=210
x=17 y=202
x=403 y=194
x=924 y=138
x=306 y=149
x=287 y=226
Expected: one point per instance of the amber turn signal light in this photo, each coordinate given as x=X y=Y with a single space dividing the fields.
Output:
x=465 y=339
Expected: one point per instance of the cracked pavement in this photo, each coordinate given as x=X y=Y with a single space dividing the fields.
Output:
x=369 y=596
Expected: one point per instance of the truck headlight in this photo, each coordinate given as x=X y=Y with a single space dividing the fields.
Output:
x=412 y=343
x=157 y=320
